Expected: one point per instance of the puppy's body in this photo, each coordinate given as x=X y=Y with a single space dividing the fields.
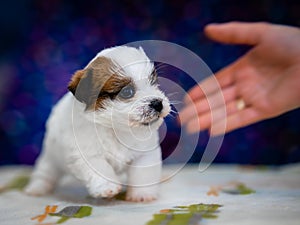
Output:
x=105 y=128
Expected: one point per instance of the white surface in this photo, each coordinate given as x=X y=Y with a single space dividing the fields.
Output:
x=276 y=201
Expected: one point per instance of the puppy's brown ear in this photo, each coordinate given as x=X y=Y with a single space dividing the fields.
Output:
x=81 y=85
x=75 y=81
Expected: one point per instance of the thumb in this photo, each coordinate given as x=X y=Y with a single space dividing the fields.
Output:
x=237 y=32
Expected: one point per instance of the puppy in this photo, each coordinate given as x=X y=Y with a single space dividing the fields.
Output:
x=106 y=126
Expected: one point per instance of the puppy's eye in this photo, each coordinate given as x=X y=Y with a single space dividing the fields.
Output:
x=127 y=92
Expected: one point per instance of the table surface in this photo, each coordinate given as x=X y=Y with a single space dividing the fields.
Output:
x=276 y=200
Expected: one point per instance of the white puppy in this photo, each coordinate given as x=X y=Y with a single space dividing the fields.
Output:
x=105 y=126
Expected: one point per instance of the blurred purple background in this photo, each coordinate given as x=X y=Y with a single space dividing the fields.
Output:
x=44 y=42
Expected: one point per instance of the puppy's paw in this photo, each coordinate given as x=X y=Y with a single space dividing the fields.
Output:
x=38 y=187
x=146 y=194
x=105 y=189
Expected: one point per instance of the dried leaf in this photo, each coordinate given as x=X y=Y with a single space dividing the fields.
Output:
x=48 y=209
x=214 y=190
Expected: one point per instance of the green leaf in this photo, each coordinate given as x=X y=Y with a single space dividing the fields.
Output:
x=158 y=219
x=209 y=216
x=204 y=207
x=83 y=212
x=62 y=219
x=185 y=215
x=239 y=189
x=17 y=183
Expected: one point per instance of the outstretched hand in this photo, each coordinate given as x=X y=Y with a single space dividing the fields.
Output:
x=262 y=84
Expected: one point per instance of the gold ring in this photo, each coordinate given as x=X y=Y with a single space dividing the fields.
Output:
x=240 y=104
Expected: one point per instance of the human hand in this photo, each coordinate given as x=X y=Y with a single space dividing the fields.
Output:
x=262 y=84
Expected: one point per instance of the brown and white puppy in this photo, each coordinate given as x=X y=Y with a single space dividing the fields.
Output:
x=106 y=126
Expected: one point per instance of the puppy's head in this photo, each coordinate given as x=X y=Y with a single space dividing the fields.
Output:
x=120 y=85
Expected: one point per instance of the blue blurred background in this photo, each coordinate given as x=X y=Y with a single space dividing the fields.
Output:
x=44 y=42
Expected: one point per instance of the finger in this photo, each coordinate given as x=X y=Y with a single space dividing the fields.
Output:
x=218 y=117
x=222 y=79
x=193 y=94
x=204 y=121
x=207 y=104
x=237 y=120
x=236 y=32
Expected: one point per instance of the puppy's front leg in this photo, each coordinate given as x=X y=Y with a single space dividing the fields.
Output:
x=97 y=174
x=44 y=177
x=144 y=177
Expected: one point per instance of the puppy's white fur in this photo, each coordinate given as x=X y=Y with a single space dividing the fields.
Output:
x=97 y=146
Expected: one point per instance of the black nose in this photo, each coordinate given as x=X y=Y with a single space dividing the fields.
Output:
x=156 y=104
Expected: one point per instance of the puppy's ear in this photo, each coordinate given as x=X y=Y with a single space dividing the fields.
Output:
x=81 y=85
x=97 y=83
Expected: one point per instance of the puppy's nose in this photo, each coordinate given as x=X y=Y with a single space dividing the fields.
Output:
x=156 y=104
